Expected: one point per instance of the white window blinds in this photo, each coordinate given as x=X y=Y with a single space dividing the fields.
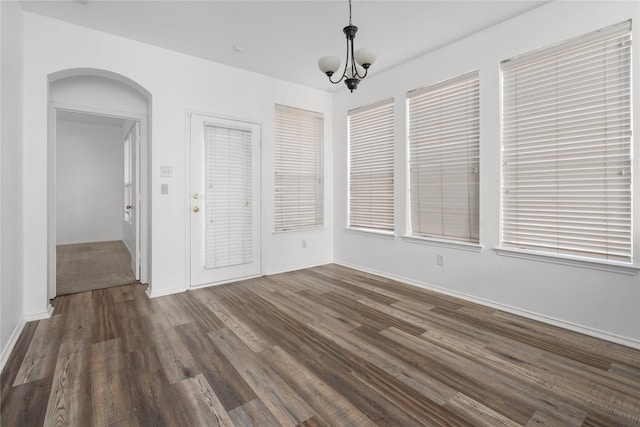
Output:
x=444 y=151
x=371 y=145
x=228 y=210
x=298 y=169
x=567 y=148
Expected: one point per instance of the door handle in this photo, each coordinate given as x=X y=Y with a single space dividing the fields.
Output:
x=196 y=209
x=128 y=207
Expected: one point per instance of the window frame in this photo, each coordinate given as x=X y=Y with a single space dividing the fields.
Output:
x=383 y=106
x=471 y=87
x=599 y=263
x=280 y=225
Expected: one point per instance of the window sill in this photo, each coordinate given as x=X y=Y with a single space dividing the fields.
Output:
x=300 y=230
x=465 y=246
x=372 y=232
x=612 y=267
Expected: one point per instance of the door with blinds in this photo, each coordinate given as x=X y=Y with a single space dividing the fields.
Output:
x=224 y=200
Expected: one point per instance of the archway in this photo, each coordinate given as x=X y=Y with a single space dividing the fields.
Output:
x=100 y=93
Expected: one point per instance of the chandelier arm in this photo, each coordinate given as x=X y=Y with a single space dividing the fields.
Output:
x=354 y=67
x=346 y=64
x=346 y=61
x=336 y=82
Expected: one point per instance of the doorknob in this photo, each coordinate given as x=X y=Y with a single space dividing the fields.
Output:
x=196 y=209
x=128 y=207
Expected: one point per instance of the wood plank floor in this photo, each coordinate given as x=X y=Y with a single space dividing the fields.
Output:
x=327 y=346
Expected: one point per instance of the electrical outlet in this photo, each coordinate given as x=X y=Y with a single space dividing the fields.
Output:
x=304 y=244
x=440 y=259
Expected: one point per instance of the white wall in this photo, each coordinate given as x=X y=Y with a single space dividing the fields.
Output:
x=90 y=179
x=178 y=83
x=94 y=92
x=11 y=224
x=601 y=303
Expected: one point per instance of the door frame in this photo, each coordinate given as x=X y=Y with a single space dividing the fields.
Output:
x=188 y=191
x=142 y=166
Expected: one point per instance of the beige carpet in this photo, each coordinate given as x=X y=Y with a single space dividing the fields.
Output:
x=88 y=266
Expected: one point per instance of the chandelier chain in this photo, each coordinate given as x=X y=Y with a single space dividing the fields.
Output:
x=350 y=12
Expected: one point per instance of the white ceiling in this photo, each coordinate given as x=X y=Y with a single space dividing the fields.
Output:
x=284 y=39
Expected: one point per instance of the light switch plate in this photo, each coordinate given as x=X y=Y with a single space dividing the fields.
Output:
x=166 y=171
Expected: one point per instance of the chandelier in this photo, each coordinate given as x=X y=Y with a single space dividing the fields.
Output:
x=363 y=57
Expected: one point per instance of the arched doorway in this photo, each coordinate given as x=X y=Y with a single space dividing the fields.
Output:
x=95 y=97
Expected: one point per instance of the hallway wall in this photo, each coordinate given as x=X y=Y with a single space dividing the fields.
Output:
x=90 y=179
x=11 y=154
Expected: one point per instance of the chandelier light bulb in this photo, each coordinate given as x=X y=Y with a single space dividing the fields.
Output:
x=329 y=64
x=366 y=56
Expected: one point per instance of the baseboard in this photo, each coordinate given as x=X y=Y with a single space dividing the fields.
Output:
x=297 y=267
x=164 y=293
x=224 y=282
x=13 y=339
x=607 y=336
x=127 y=246
x=287 y=269
x=39 y=316
x=133 y=258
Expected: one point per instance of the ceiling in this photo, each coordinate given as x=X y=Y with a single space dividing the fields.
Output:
x=284 y=39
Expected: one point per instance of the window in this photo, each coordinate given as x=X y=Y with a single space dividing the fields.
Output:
x=371 y=193
x=298 y=169
x=444 y=151
x=567 y=148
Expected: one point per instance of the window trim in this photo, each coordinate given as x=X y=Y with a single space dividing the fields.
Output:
x=445 y=243
x=365 y=229
x=371 y=231
x=632 y=267
x=410 y=235
x=573 y=261
x=319 y=138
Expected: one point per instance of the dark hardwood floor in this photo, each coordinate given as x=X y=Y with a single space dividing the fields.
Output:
x=327 y=346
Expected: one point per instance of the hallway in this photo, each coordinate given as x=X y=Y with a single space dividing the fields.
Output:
x=89 y=266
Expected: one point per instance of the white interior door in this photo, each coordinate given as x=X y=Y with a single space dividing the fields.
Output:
x=135 y=161
x=224 y=200
x=131 y=229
